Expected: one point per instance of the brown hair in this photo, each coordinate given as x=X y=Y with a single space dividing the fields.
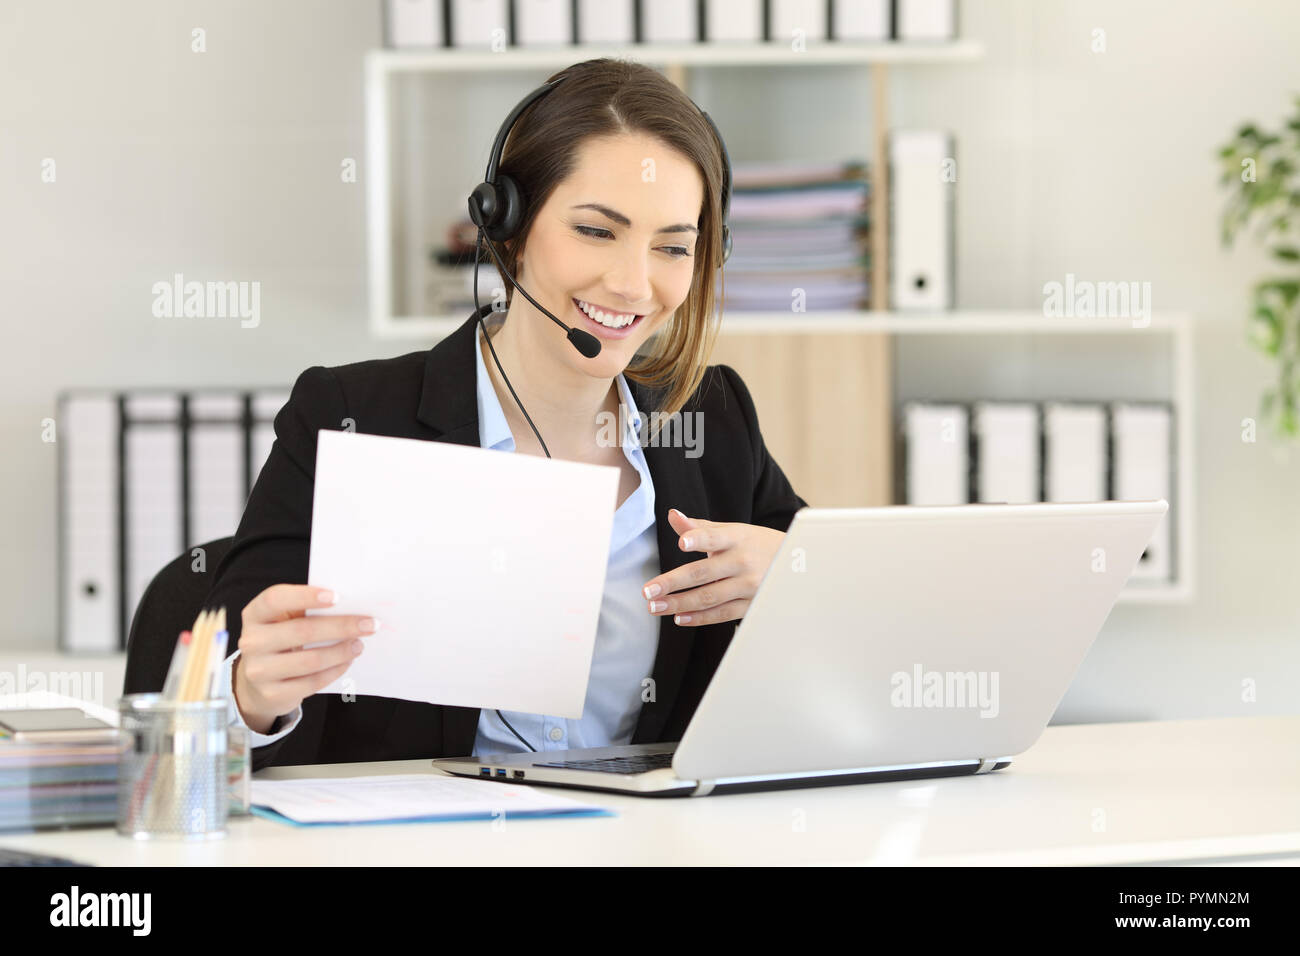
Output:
x=605 y=97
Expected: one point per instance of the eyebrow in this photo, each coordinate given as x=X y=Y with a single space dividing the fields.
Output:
x=622 y=220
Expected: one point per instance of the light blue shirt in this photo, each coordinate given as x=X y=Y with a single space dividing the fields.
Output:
x=627 y=635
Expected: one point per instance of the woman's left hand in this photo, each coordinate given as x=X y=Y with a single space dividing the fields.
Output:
x=726 y=581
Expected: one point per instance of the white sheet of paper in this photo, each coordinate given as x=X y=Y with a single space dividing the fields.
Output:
x=402 y=796
x=486 y=569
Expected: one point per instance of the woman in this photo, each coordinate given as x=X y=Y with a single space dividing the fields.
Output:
x=622 y=179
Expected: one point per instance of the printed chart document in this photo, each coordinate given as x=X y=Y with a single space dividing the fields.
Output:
x=410 y=797
x=485 y=569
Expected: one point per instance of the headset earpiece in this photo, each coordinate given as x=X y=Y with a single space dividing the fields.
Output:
x=725 y=201
x=497 y=208
x=512 y=210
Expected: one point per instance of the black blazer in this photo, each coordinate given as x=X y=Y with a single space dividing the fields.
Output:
x=432 y=395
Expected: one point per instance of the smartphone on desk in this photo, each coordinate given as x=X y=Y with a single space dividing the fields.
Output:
x=52 y=725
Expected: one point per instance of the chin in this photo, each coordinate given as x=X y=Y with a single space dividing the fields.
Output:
x=607 y=365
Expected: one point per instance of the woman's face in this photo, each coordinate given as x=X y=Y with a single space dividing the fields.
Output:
x=617 y=236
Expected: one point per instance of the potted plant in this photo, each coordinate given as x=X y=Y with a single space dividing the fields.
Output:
x=1259 y=168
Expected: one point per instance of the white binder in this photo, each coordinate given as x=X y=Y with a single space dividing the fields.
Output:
x=1007 y=461
x=1141 y=438
x=806 y=16
x=670 y=21
x=920 y=220
x=937 y=467
x=543 y=23
x=862 y=20
x=606 y=22
x=1074 y=451
x=154 y=490
x=216 y=465
x=475 y=24
x=89 y=581
x=733 y=21
x=265 y=406
x=135 y=471
x=926 y=20
x=414 y=24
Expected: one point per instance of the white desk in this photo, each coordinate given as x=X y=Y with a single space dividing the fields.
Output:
x=1170 y=791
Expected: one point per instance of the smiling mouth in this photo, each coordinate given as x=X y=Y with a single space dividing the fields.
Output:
x=578 y=303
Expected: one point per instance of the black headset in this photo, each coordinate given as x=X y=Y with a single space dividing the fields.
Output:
x=497 y=207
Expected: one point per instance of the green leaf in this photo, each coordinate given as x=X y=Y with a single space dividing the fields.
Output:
x=1290 y=253
x=1288 y=289
x=1265 y=330
x=1288 y=421
x=1280 y=168
x=1265 y=191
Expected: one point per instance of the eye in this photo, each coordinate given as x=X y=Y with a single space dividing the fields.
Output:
x=677 y=252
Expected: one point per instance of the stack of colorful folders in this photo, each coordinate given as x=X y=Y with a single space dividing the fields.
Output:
x=800 y=233
x=69 y=778
x=72 y=782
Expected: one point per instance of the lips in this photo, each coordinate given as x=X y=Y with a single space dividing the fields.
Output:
x=604 y=330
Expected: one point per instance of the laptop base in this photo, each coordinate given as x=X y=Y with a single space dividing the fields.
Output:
x=671 y=786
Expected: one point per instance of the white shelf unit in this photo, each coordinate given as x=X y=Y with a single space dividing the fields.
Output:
x=962 y=321
x=1168 y=332
x=690 y=54
x=381 y=66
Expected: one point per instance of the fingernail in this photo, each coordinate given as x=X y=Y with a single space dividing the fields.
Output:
x=688 y=543
x=652 y=591
x=356 y=647
x=327 y=597
x=681 y=619
x=658 y=606
x=368 y=625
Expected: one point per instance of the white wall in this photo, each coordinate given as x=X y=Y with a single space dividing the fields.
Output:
x=225 y=165
x=1103 y=165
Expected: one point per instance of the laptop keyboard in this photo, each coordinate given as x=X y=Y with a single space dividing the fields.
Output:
x=638 y=763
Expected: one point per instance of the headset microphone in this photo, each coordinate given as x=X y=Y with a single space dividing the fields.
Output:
x=583 y=341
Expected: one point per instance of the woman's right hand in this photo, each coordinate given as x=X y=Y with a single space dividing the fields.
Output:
x=274 y=673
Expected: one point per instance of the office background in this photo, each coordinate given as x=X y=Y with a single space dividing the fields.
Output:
x=225 y=165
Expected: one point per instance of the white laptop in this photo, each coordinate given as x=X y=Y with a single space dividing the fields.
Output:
x=884 y=644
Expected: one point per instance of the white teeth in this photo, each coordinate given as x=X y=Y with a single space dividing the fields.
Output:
x=604 y=318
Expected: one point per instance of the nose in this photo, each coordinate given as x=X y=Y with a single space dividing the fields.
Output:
x=629 y=280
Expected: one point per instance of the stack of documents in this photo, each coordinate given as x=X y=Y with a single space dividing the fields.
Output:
x=405 y=798
x=57 y=784
x=799 y=238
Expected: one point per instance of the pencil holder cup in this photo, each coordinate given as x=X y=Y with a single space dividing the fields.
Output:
x=172 y=779
x=239 y=768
